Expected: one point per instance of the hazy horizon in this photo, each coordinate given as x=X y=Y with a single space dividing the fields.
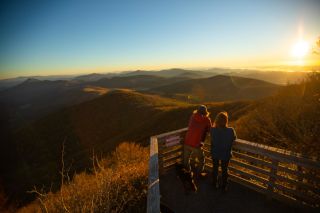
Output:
x=201 y=69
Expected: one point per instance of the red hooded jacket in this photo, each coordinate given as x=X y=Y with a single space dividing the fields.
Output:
x=199 y=125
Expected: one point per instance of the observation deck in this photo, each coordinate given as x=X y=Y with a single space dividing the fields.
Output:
x=261 y=179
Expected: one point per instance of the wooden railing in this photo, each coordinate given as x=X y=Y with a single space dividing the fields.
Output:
x=277 y=173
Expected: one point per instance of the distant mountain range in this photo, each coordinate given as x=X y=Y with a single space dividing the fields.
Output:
x=217 y=88
x=34 y=98
x=276 y=77
x=169 y=73
x=93 y=77
x=11 y=82
x=137 y=82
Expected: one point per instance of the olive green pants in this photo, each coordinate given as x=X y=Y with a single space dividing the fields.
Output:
x=191 y=154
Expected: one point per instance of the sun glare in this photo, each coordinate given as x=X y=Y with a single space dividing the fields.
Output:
x=300 y=49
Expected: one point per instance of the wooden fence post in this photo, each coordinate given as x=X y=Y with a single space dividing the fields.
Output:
x=272 y=179
x=299 y=178
x=153 y=201
x=160 y=158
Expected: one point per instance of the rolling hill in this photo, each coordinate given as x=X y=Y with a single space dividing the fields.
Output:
x=217 y=88
x=34 y=98
x=98 y=126
x=137 y=82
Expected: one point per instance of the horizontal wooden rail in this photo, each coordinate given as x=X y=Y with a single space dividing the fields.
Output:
x=171 y=133
x=277 y=173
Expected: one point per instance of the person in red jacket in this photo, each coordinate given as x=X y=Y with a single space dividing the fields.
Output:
x=199 y=126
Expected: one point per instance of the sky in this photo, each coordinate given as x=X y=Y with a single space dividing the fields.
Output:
x=40 y=37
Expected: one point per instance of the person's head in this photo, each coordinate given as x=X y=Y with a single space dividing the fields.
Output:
x=202 y=110
x=221 y=120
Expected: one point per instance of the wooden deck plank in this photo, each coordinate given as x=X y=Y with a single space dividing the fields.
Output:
x=237 y=199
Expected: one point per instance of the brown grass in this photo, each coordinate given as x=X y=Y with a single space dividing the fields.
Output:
x=117 y=184
x=289 y=119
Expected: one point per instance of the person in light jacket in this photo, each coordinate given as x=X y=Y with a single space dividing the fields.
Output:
x=199 y=126
x=222 y=138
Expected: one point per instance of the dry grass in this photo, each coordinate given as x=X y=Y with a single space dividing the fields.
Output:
x=118 y=184
x=289 y=119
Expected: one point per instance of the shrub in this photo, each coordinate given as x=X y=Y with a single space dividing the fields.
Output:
x=117 y=184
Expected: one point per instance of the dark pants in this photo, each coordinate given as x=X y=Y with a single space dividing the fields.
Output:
x=224 y=168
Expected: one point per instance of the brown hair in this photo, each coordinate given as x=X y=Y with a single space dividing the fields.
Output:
x=221 y=120
x=202 y=110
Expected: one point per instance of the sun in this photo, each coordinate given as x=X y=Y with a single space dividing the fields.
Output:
x=300 y=49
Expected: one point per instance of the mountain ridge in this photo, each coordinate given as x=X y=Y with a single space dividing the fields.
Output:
x=217 y=88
